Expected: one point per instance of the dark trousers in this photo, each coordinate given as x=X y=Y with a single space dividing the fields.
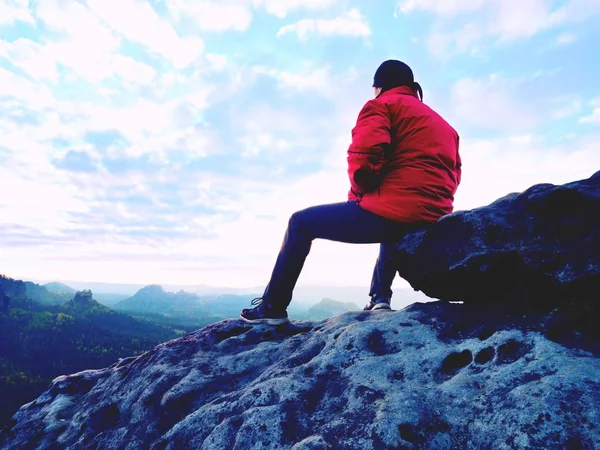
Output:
x=341 y=222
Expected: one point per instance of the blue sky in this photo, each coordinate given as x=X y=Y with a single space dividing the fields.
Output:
x=169 y=141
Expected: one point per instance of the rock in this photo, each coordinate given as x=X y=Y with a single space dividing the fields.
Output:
x=83 y=298
x=539 y=246
x=435 y=375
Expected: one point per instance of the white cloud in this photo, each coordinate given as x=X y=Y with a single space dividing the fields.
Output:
x=489 y=104
x=594 y=117
x=441 y=7
x=282 y=8
x=578 y=10
x=494 y=168
x=139 y=22
x=151 y=128
x=534 y=16
x=318 y=79
x=31 y=57
x=86 y=45
x=131 y=70
x=487 y=19
x=36 y=96
x=466 y=39
x=78 y=24
x=40 y=198
x=310 y=78
x=223 y=15
x=40 y=62
x=571 y=108
x=12 y=11
x=270 y=132
x=350 y=24
x=565 y=39
x=212 y=15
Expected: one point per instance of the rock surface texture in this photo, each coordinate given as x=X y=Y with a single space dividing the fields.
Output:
x=515 y=366
x=433 y=376
x=541 y=245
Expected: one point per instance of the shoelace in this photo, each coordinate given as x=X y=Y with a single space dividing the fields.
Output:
x=257 y=301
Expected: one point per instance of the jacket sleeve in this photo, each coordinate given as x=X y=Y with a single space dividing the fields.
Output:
x=458 y=162
x=371 y=137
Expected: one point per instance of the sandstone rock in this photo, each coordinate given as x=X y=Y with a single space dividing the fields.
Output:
x=542 y=245
x=433 y=376
x=83 y=298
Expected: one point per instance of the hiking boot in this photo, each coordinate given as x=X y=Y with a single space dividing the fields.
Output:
x=263 y=313
x=378 y=303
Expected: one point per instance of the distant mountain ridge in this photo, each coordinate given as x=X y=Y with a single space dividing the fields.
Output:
x=45 y=296
x=329 y=307
x=59 y=288
x=155 y=303
x=154 y=299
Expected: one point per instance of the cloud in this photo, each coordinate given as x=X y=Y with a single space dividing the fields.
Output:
x=31 y=57
x=465 y=26
x=281 y=8
x=570 y=108
x=441 y=7
x=318 y=79
x=212 y=15
x=236 y=15
x=12 y=11
x=565 y=39
x=147 y=28
x=309 y=78
x=40 y=62
x=594 y=117
x=84 y=45
x=76 y=161
x=352 y=24
x=493 y=168
x=489 y=104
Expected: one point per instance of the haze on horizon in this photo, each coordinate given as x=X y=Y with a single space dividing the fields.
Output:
x=172 y=149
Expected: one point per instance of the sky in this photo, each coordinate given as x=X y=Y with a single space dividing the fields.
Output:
x=169 y=141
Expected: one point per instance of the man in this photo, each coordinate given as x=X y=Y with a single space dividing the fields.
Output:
x=404 y=169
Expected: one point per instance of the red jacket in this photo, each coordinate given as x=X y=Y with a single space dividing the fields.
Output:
x=403 y=162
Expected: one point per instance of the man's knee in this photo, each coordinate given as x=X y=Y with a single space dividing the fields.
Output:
x=296 y=220
x=302 y=222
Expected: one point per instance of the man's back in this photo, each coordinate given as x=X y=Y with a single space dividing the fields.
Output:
x=422 y=166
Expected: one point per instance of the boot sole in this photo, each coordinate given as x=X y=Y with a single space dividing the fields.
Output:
x=383 y=306
x=265 y=321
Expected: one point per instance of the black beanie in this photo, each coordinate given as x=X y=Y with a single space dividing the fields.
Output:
x=393 y=73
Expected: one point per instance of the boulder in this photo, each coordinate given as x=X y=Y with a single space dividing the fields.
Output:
x=538 y=246
x=434 y=376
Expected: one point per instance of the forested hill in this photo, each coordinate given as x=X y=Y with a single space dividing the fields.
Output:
x=41 y=341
